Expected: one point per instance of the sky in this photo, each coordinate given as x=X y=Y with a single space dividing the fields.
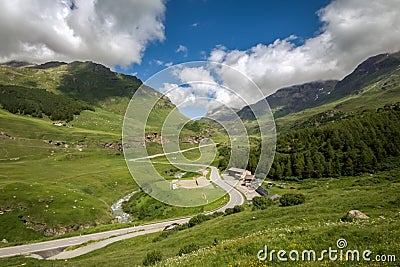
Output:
x=273 y=43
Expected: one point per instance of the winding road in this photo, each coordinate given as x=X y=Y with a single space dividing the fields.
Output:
x=55 y=249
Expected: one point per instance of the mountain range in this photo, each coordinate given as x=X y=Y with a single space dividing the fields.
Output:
x=376 y=78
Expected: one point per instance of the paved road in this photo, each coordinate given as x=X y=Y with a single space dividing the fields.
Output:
x=236 y=198
x=76 y=240
x=170 y=153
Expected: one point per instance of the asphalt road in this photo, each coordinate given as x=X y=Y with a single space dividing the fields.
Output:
x=236 y=198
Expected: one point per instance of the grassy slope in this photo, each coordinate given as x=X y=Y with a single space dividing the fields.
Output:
x=58 y=186
x=312 y=225
x=48 y=181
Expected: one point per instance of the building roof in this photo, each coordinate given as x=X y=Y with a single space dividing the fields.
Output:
x=233 y=169
x=262 y=191
x=249 y=177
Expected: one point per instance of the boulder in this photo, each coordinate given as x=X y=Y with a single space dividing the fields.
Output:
x=356 y=214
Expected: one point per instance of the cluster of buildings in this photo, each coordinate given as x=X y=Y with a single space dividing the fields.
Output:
x=250 y=185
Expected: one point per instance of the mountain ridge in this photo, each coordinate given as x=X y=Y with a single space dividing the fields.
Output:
x=296 y=98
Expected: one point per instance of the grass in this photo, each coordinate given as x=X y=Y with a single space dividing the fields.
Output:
x=235 y=240
x=146 y=209
x=60 y=188
x=54 y=187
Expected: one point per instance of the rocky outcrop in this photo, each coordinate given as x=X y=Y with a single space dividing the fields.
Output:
x=154 y=137
x=113 y=145
x=353 y=215
x=356 y=214
x=52 y=231
x=5 y=135
x=53 y=142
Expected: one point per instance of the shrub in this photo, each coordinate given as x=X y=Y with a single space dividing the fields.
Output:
x=292 y=199
x=197 y=220
x=238 y=208
x=262 y=203
x=202 y=218
x=152 y=257
x=235 y=209
x=188 y=248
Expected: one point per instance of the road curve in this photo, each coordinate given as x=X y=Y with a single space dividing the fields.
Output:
x=236 y=198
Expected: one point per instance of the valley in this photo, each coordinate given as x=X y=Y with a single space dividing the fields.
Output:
x=338 y=149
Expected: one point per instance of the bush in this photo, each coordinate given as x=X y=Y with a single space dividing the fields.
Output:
x=197 y=220
x=233 y=210
x=152 y=257
x=262 y=203
x=188 y=248
x=292 y=199
x=202 y=218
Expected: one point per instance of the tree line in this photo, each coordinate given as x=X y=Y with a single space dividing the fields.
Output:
x=39 y=102
x=356 y=145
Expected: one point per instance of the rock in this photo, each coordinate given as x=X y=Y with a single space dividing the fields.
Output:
x=4 y=241
x=356 y=214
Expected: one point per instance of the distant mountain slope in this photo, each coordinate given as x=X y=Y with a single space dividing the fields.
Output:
x=374 y=82
x=93 y=82
x=85 y=81
x=294 y=98
x=369 y=71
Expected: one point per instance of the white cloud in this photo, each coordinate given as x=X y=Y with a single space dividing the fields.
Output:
x=100 y=30
x=352 y=31
x=194 y=74
x=169 y=64
x=182 y=49
x=198 y=87
x=196 y=24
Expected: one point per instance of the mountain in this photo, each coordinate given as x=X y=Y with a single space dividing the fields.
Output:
x=86 y=81
x=369 y=71
x=293 y=98
x=221 y=113
x=83 y=82
x=373 y=83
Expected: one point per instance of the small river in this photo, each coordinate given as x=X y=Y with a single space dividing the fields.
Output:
x=117 y=211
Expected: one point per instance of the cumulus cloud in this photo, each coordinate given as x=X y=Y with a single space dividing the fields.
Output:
x=182 y=49
x=201 y=87
x=352 y=31
x=100 y=30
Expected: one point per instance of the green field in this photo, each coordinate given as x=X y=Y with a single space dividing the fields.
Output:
x=48 y=187
x=235 y=240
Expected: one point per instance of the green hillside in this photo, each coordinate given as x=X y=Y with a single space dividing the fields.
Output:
x=236 y=239
x=61 y=163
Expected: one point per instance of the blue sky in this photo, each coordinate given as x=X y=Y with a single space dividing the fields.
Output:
x=274 y=43
x=201 y=25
